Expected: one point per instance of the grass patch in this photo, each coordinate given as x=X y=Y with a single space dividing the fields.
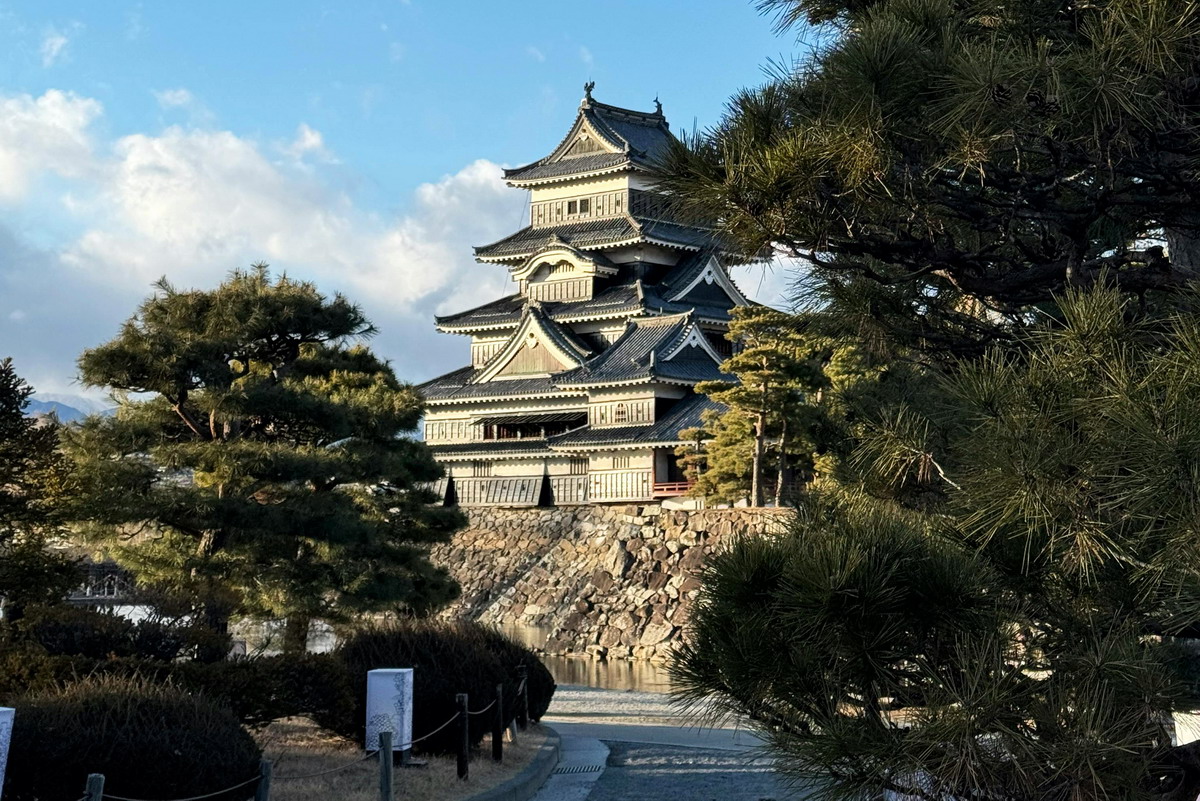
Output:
x=298 y=746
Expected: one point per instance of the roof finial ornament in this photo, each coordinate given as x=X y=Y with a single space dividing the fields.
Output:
x=587 y=91
x=657 y=106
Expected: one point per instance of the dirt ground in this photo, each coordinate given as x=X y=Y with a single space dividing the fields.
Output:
x=298 y=747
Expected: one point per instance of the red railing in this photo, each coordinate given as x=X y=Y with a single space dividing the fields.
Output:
x=671 y=489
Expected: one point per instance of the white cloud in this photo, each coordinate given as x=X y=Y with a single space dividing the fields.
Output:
x=194 y=203
x=535 y=54
x=44 y=134
x=307 y=143
x=174 y=98
x=54 y=45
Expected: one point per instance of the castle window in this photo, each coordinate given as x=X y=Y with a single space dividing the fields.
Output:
x=572 y=207
x=621 y=414
x=584 y=206
x=481 y=469
x=621 y=462
x=579 y=467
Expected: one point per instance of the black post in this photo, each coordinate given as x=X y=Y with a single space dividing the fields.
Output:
x=263 y=791
x=523 y=697
x=386 y=782
x=464 y=732
x=498 y=726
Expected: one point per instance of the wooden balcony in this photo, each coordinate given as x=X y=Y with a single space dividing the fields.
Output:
x=671 y=489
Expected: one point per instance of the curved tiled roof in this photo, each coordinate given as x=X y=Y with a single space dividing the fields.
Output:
x=641 y=138
x=640 y=355
x=595 y=233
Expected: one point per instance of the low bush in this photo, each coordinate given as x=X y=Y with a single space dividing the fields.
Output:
x=511 y=653
x=447 y=658
x=256 y=690
x=71 y=631
x=150 y=740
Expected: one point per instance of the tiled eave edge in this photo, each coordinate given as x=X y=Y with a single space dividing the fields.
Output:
x=586 y=318
x=525 y=183
x=632 y=382
x=639 y=240
x=486 y=398
x=618 y=446
x=484 y=454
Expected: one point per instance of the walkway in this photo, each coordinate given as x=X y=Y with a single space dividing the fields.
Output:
x=619 y=746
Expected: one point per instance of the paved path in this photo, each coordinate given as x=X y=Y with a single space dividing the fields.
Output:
x=617 y=746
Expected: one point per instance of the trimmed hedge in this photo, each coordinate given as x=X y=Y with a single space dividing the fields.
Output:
x=150 y=740
x=71 y=631
x=448 y=658
x=255 y=690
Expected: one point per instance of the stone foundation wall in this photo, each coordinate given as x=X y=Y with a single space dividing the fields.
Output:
x=609 y=580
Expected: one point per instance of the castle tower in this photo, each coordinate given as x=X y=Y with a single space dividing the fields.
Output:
x=580 y=382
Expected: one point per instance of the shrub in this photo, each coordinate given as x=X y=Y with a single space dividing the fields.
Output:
x=149 y=740
x=71 y=631
x=540 y=683
x=255 y=690
x=447 y=658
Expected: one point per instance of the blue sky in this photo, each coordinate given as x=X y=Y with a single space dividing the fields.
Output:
x=356 y=143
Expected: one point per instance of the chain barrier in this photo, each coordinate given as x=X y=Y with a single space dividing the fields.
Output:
x=189 y=798
x=360 y=760
x=427 y=736
x=481 y=711
x=369 y=755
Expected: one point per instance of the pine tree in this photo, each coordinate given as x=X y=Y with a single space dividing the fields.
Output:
x=947 y=167
x=32 y=477
x=998 y=597
x=768 y=362
x=257 y=459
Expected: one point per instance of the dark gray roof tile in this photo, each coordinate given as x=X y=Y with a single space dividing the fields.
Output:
x=685 y=414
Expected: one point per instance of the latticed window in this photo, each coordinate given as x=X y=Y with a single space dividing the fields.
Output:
x=621 y=462
x=579 y=467
x=585 y=206
x=481 y=469
x=621 y=413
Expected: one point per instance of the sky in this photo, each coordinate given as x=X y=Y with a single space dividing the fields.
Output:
x=355 y=144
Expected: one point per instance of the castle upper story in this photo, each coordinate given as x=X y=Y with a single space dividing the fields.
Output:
x=583 y=375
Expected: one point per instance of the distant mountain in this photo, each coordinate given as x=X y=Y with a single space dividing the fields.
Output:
x=68 y=408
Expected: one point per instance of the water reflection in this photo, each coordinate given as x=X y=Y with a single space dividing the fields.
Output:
x=617 y=674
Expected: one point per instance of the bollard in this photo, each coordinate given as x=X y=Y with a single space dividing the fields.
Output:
x=523 y=697
x=94 y=790
x=385 y=766
x=498 y=726
x=263 y=791
x=464 y=734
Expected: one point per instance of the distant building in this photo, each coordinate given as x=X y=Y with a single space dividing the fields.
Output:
x=581 y=381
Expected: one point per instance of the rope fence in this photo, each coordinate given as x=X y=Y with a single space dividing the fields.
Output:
x=95 y=782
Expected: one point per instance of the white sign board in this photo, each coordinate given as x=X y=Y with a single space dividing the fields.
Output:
x=389 y=707
x=6 y=727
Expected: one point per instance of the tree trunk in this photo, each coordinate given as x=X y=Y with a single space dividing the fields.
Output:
x=295 y=633
x=756 y=471
x=782 y=464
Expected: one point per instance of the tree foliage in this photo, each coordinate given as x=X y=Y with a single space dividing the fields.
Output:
x=1021 y=633
x=32 y=475
x=949 y=165
x=257 y=457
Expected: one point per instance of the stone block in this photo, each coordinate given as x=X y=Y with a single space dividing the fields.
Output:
x=657 y=580
x=618 y=560
x=623 y=621
x=656 y=631
x=602 y=580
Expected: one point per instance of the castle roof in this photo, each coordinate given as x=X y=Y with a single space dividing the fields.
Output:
x=603 y=139
x=685 y=281
x=651 y=349
x=594 y=234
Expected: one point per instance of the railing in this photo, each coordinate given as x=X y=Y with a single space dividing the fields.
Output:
x=671 y=489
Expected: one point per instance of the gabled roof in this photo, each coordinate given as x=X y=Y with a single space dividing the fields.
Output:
x=685 y=414
x=457 y=386
x=627 y=140
x=562 y=342
x=651 y=349
x=602 y=232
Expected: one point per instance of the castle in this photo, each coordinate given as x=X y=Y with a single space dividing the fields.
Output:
x=580 y=382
